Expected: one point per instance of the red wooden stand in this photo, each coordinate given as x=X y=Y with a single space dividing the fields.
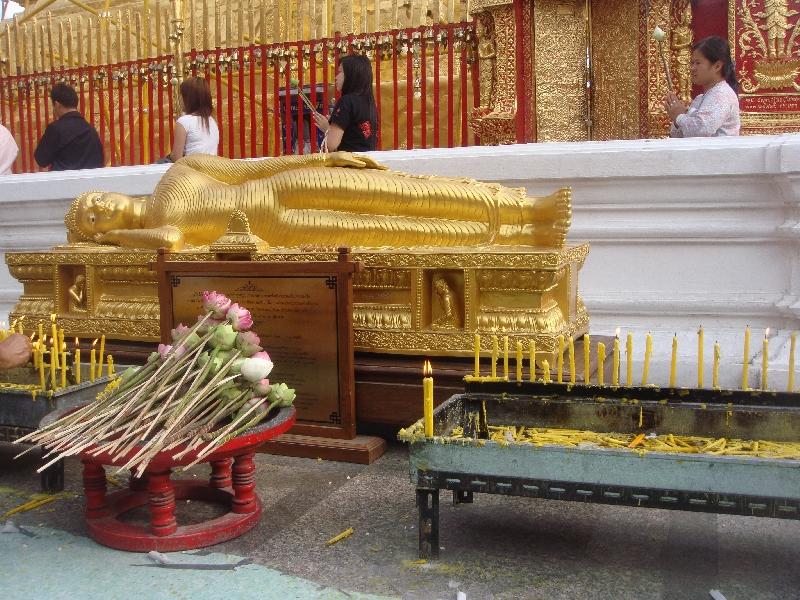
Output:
x=233 y=482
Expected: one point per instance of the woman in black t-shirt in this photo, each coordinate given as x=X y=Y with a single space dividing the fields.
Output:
x=353 y=124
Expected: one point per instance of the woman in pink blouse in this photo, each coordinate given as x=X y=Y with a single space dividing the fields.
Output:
x=715 y=112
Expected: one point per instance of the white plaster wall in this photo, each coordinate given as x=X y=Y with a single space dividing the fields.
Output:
x=683 y=233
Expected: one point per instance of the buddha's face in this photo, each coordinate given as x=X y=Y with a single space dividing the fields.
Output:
x=101 y=212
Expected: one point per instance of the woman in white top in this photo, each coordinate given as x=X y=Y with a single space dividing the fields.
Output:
x=196 y=131
x=715 y=112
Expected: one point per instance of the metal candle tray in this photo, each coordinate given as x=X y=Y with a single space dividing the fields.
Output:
x=738 y=485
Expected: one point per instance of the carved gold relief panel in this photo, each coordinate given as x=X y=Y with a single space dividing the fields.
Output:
x=560 y=51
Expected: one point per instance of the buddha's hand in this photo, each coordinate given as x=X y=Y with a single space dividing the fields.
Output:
x=348 y=159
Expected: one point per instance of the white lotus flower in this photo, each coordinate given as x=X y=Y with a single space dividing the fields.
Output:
x=255 y=369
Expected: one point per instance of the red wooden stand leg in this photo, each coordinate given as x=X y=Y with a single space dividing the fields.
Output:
x=162 y=503
x=137 y=484
x=94 y=488
x=244 y=482
x=221 y=473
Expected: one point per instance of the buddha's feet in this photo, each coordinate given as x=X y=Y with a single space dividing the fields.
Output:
x=549 y=217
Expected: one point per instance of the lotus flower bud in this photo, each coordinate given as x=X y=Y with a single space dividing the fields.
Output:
x=255 y=369
x=248 y=342
x=255 y=401
x=261 y=388
x=179 y=332
x=223 y=337
x=239 y=317
x=216 y=303
x=658 y=34
x=282 y=394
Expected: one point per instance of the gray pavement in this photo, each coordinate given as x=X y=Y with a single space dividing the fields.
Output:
x=498 y=547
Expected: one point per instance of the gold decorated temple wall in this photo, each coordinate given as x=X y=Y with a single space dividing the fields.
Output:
x=414 y=301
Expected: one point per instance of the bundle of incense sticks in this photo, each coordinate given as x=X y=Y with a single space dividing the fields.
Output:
x=295 y=83
x=193 y=396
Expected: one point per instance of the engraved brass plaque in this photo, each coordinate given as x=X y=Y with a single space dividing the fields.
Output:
x=295 y=317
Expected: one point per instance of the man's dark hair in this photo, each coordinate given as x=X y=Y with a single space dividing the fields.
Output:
x=65 y=95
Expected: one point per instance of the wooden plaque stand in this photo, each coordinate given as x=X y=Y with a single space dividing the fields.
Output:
x=326 y=416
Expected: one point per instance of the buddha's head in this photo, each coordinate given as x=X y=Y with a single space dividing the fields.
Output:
x=92 y=213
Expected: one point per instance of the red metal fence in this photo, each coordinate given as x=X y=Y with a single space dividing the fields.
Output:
x=424 y=87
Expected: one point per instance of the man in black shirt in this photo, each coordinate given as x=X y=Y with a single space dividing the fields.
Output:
x=70 y=142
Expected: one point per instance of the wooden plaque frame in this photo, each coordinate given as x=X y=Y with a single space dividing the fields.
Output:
x=342 y=270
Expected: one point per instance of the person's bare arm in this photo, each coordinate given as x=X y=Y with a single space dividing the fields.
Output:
x=179 y=145
x=15 y=351
x=335 y=134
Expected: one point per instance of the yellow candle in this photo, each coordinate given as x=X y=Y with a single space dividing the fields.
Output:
x=519 y=361
x=546 y=371
x=601 y=359
x=64 y=366
x=92 y=360
x=505 y=356
x=53 y=367
x=427 y=398
x=54 y=337
x=41 y=332
x=41 y=367
x=19 y=326
x=791 y=361
x=100 y=356
x=532 y=361
x=110 y=361
x=78 y=364
x=494 y=355
x=571 y=361
x=615 y=372
x=560 y=359
x=715 y=375
x=648 y=350
x=477 y=355
x=629 y=352
x=765 y=360
x=700 y=358
x=746 y=361
x=586 y=347
x=674 y=365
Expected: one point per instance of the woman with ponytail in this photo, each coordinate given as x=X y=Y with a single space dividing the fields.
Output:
x=715 y=112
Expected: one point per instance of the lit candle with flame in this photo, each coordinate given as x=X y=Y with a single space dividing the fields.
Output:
x=648 y=350
x=100 y=356
x=427 y=397
x=477 y=355
x=41 y=367
x=41 y=333
x=601 y=359
x=673 y=367
x=746 y=361
x=629 y=352
x=700 y=357
x=765 y=360
x=615 y=372
x=54 y=335
x=63 y=365
x=77 y=362
x=560 y=359
x=53 y=364
x=715 y=375
x=92 y=361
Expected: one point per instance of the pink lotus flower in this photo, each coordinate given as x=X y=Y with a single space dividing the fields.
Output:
x=179 y=332
x=216 y=303
x=263 y=354
x=248 y=342
x=261 y=388
x=239 y=317
x=164 y=350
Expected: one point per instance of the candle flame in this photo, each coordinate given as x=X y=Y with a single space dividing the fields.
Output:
x=53 y=317
x=617 y=334
x=766 y=333
x=63 y=346
x=427 y=370
x=76 y=342
x=94 y=343
x=33 y=334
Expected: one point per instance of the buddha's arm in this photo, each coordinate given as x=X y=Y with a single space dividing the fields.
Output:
x=151 y=239
x=234 y=172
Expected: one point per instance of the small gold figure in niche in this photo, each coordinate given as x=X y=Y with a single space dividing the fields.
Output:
x=310 y=199
x=449 y=320
x=77 y=296
x=682 y=37
x=487 y=52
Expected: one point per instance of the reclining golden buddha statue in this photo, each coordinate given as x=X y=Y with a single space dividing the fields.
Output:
x=319 y=199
